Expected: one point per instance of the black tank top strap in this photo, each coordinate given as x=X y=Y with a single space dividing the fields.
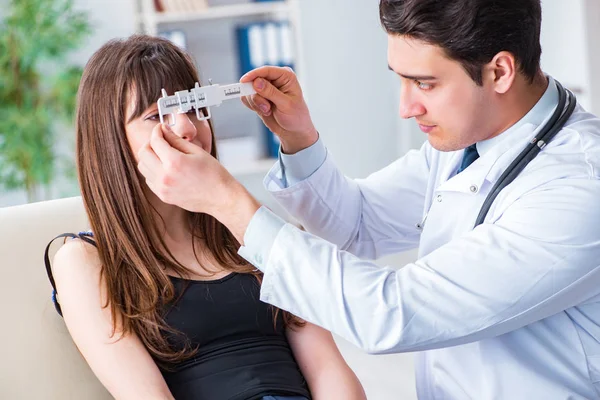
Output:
x=86 y=237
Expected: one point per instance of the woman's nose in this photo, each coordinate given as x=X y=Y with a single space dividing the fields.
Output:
x=184 y=126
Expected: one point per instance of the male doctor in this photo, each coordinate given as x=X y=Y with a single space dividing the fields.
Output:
x=509 y=309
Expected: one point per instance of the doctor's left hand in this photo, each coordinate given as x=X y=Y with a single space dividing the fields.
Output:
x=183 y=174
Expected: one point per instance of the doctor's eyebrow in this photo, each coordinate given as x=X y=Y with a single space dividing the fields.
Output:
x=414 y=77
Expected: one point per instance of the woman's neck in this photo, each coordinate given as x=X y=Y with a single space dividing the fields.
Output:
x=174 y=227
x=173 y=223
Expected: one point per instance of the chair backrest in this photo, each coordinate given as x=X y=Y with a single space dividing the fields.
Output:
x=38 y=359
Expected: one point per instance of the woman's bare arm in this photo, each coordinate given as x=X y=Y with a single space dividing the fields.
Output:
x=123 y=366
x=325 y=370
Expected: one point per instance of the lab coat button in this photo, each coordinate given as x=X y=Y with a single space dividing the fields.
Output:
x=474 y=188
x=439 y=198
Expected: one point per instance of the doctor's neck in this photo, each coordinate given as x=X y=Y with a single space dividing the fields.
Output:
x=521 y=98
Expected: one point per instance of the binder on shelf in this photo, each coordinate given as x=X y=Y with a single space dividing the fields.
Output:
x=265 y=43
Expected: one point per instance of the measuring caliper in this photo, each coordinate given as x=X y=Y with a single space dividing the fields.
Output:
x=198 y=98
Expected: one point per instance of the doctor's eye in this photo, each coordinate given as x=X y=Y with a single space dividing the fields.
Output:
x=423 y=85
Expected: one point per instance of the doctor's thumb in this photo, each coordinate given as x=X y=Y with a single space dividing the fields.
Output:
x=177 y=142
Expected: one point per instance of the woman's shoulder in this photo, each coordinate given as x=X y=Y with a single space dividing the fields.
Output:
x=76 y=256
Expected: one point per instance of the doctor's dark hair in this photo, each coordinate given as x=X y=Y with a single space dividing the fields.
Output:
x=471 y=32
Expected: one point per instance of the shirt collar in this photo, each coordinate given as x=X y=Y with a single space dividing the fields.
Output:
x=535 y=116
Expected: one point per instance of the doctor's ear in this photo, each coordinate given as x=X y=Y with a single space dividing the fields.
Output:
x=501 y=71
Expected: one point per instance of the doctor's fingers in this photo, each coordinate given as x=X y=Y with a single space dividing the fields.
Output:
x=154 y=189
x=149 y=164
x=247 y=103
x=267 y=92
x=283 y=78
x=267 y=118
x=166 y=153
x=263 y=109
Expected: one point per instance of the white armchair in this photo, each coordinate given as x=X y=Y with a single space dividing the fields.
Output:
x=38 y=359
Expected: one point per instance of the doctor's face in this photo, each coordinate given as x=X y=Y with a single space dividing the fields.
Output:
x=447 y=104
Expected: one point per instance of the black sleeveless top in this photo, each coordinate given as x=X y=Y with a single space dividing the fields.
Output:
x=243 y=353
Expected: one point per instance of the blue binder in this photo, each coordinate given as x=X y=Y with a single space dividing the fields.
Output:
x=265 y=43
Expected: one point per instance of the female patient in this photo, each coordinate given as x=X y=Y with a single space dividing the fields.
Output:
x=159 y=303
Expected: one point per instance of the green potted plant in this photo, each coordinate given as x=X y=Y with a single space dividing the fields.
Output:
x=37 y=88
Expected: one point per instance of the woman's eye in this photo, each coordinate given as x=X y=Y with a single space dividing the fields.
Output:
x=156 y=117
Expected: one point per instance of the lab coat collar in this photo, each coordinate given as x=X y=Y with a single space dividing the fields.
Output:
x=540 y=113
x=496 y=154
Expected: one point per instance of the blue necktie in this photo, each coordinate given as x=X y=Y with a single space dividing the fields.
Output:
x=469 y=156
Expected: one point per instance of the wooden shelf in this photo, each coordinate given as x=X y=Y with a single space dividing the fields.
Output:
x=220 y=12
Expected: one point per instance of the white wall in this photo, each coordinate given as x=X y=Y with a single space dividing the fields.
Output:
x=592 y=24
x=351 y=93
x=110 y=19
x=565 y=46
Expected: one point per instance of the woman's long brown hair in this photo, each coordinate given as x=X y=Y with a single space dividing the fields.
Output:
x=131 y=249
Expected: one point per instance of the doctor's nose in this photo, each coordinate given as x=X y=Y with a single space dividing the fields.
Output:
x=184 y=126
x=409 y=107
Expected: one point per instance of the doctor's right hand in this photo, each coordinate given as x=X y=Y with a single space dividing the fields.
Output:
x=280 y=104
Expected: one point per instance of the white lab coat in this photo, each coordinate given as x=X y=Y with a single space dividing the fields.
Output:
x=508 y=310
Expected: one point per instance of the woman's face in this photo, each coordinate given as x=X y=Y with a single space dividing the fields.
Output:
x=187 y=126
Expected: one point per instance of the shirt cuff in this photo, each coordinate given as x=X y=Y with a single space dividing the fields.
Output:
x=301 y=165
x=260 y=236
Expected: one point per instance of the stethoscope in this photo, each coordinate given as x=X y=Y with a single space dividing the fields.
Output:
x=550 y=129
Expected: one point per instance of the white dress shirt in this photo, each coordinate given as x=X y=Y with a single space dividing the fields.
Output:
x=508 y=310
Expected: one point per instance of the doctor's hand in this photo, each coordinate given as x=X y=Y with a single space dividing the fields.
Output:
x=280 y=104
x=184 y=174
